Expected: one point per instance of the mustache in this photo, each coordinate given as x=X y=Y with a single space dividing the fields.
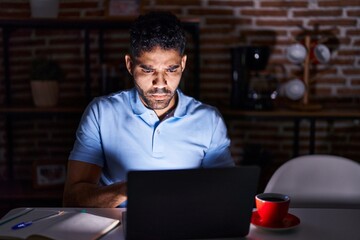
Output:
x=159 y=91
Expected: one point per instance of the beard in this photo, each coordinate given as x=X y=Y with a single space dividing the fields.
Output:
x=156 y=98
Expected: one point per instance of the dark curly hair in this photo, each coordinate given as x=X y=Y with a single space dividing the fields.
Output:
x=157 y=29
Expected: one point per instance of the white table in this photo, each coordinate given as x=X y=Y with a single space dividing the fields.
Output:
x=316 y=223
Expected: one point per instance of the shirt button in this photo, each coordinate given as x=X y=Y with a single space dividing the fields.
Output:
x=158 y=131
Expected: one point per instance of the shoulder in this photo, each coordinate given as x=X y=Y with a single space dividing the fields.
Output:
x=193 y=107
x=113 y=99
x=109 y=104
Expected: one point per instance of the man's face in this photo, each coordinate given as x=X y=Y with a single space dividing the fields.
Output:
x=157 y=75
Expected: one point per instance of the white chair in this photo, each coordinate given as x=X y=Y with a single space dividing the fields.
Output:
x=318 y=181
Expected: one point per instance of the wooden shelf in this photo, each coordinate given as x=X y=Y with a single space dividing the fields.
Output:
x=33 y=109
x=288 y=113
x=79 y=23
x=88 y=26
x=296 y=116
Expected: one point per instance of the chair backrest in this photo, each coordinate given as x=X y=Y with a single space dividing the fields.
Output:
x=318 y=181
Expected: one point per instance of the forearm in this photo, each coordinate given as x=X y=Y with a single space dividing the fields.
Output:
x=84 y=194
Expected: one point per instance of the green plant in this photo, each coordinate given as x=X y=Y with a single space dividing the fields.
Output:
x=46 y=70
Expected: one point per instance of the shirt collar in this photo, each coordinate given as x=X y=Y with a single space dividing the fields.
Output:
x=180 y=110
x=136 y=104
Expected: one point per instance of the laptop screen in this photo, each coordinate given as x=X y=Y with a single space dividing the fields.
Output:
x=190 y=203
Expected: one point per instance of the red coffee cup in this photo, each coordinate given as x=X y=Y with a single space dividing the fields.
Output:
x=272 y=207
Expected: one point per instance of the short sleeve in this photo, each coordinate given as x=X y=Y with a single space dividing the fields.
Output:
x=218 y=154
x=88 y=146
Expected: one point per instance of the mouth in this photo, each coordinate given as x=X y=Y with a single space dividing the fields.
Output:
x=159 y=96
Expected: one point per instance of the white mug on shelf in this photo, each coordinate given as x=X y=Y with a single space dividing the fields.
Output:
x=296 y=53
x=320 y=54
x=293 y=89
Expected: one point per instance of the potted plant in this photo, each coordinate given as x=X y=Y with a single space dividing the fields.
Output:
x=45 y=76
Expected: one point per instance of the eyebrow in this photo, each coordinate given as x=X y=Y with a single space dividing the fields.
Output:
x=174 y=66
x=146 y=67
x=151 y=68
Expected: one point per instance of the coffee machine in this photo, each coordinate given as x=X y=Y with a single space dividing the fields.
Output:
x=247 y=62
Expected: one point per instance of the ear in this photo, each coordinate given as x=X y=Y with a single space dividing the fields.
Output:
x=183 y=62
x=129 y=63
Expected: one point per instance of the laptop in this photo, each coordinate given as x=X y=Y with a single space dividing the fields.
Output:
x=191 y=203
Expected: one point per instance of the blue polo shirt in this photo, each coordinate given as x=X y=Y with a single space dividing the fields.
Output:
x=118 y=133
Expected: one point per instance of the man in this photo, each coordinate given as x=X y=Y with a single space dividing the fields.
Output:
x=152 y=126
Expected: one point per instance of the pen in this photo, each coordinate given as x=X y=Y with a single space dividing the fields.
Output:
x=16 y=215
x=28 y=223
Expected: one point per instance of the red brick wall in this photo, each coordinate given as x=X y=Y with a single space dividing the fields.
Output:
x=223 y=24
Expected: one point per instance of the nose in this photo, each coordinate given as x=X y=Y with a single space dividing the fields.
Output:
x=159 y=80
